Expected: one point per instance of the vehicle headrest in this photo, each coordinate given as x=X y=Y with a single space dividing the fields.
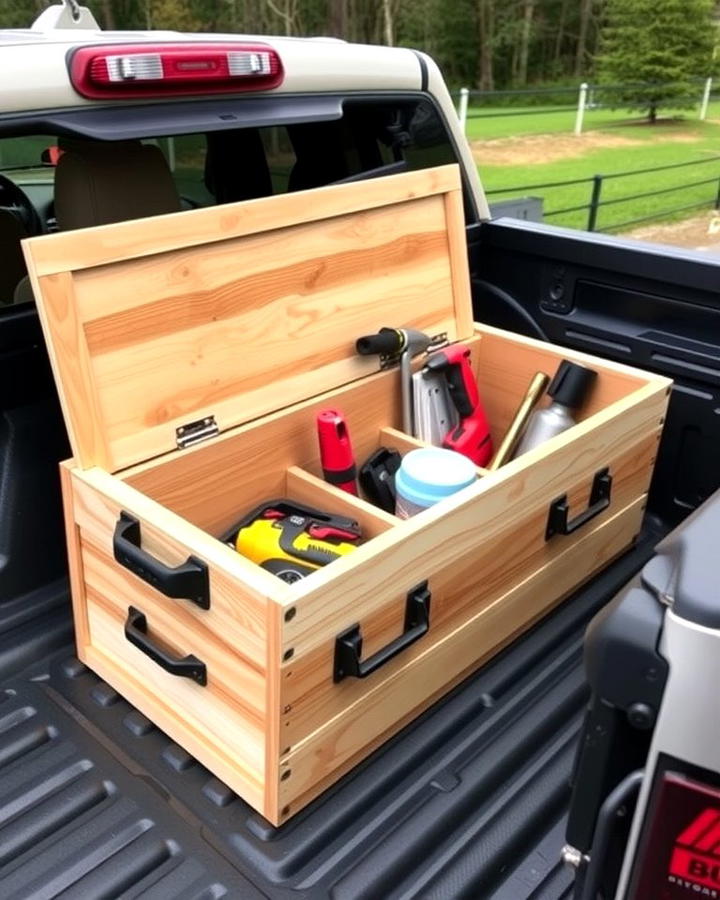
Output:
x=236 y=166
x=97 y=182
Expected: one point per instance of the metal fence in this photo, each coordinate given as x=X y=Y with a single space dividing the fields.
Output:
x=596 y=202
x=580 y=98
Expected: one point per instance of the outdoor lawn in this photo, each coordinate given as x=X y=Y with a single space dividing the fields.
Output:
x=526 y=150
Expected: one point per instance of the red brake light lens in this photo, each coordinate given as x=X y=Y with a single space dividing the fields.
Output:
x=126 y=71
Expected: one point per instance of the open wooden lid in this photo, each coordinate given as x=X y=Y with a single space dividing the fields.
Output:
x=228 y=313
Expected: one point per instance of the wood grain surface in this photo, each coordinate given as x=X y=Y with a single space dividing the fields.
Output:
x=62 y=252
x=75 y=564
x=149 y=334
x=506 y=363
x=249 y=312
x=382 y=712
x=443 y=535
x=212 y=485
x=476 y=550
x=307 y=488
x=199 y=718
x=237 y=602
x=505 y=552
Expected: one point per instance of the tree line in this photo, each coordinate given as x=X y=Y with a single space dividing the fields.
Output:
x=480 y=43
x=486 y=44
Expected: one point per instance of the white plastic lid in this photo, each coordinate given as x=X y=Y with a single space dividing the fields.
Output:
x=429 y=474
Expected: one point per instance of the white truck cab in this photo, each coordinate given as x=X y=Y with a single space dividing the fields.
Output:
x=234 y=117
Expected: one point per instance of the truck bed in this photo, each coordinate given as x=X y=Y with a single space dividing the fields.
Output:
x=468 y=801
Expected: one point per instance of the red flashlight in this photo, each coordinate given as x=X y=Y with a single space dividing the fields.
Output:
x=336 y=455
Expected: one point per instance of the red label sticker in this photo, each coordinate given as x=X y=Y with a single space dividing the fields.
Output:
x=679 y=849
x=689 y=866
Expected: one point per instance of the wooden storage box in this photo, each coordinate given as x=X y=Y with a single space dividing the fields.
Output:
x=242 y=319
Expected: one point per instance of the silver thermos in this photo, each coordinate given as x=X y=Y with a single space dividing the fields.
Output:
x=568 y=390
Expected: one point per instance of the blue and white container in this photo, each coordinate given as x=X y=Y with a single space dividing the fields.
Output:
x=429 y=475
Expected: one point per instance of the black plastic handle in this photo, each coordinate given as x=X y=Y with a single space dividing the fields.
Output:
x=188 y=581
x=182 y=666
x=387 y=342
x=348 y=645
x=558 y=521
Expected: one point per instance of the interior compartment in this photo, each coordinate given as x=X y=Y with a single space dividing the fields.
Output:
x=213 y=485
x=505 y=365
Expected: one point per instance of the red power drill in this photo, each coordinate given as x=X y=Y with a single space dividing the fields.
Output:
x=471 y=436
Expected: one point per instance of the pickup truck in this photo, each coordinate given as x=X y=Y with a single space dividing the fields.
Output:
x=469 y=801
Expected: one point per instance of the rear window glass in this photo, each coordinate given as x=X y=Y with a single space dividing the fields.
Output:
x=372 y=137
x=23 y=154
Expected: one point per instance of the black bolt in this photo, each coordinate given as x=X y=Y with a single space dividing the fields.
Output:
x=641 y=716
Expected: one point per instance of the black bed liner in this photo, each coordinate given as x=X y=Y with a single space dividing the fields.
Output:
x=467 y=802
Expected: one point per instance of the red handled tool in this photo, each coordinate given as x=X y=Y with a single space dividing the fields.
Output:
x=336 y=455
x=471 y=436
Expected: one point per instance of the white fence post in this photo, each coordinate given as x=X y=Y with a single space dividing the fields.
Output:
x=462 y=107
x=705 y=98
x=582 y=102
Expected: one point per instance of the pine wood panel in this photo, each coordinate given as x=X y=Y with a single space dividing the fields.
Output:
x=273 y=746
x=213 y=484
x=382 y=712
x=241 y=683
x=72 y=367
x=198 y=718
x=241 y=323
x=496 y=529
x=75 y=566
x=398 y=440
x=501 y=559
x=306 y=261
x=457 y=254
x=237 y=607
x=325 y=604
x=307 y=488
x=284 y=330
x=63 y=252
x=505 y=364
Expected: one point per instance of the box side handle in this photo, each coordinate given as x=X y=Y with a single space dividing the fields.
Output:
x=558 y=517
x=190 y=666
x=348 y=644
x=188 y=581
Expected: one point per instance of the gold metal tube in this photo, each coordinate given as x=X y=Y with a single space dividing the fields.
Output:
x=520 y=420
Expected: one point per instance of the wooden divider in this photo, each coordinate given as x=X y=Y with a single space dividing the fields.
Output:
x=307 y=488
x=398 y=440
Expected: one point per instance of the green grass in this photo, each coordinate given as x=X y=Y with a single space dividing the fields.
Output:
x=654 y=147
x=536 y=120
